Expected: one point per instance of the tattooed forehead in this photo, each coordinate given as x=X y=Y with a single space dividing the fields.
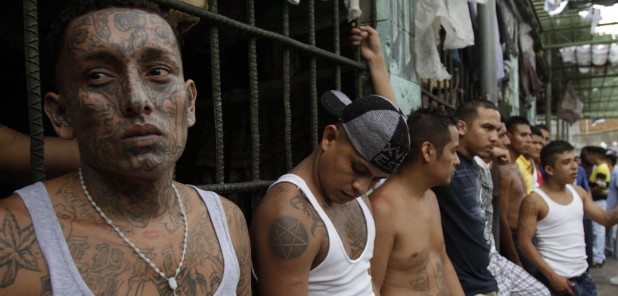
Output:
x=120 y=29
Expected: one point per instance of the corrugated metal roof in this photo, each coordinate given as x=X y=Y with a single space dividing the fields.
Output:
x=580 y=51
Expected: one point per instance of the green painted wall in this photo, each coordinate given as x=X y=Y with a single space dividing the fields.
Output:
x=395 y=23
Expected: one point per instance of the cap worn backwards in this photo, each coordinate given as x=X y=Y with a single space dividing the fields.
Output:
x=375 y=126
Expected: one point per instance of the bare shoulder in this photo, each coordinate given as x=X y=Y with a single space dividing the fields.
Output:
x=581 y=191
x=286 y=211
x=381 y=201
x=431 y=198
x=282 y=199
x=533 y=205
x=231 y=209
x=22 y=264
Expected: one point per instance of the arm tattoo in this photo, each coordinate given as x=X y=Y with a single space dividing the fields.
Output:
x=528 y=208
x=16 y=246
x=300 y=202
x=288 y=237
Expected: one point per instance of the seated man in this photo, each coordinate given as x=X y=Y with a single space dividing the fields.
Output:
x=553 y=213
x=409 y=255
x=120 y=224
x=313 y=233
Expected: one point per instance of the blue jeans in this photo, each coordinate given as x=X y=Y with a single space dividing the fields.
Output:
x=584 y=285
x=598 y=236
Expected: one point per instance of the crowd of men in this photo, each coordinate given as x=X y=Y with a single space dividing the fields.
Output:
x=384 y=205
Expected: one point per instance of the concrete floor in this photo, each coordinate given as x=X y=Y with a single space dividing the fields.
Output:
x=602 y=275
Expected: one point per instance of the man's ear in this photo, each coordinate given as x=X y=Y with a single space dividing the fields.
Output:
x=191 y=97
x=426 y=151
x=58 y=116
x=548 y=170
x=330 y=134
x=462 y=127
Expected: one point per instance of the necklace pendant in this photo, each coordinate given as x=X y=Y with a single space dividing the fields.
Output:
x=172 y=282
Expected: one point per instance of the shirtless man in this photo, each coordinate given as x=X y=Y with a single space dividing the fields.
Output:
x=409 y=255
x=553 y=214
x=120 y=224
x=512 y=186
x=313 y=233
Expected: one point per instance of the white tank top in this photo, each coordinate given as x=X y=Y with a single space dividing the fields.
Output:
x=64 y=275
x=338 y=274
x=560 y=235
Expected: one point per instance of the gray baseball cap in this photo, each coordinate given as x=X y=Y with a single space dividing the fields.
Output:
x=375 y=126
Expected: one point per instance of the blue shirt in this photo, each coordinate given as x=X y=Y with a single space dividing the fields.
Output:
x=463 y=224
x=582 y=179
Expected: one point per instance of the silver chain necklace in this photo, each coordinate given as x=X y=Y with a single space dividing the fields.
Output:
x=171 y=281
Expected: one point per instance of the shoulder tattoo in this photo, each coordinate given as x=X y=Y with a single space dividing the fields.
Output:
x=288 y=237
x=300 y=202
x=528 y=207
x=16 y=249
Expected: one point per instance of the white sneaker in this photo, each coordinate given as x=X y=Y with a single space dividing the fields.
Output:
x=614 y=280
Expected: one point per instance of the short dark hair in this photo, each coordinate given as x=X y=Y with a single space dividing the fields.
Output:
x=514 y=121
x=469 y=109
x=611 y=158
x=82 y=7
x=543 y=127
x=550 y=152
x=598 y=150
x=429 y=125
x=536 y=131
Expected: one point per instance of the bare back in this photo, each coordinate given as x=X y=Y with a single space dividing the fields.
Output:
x=409 y=252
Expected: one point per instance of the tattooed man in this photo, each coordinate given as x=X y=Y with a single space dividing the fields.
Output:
x=122 y=95
x=313 y=234
x=409 y=256
x=553 y=214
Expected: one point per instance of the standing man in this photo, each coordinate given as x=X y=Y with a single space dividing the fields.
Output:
x=313 y=233
x=553 y=213
x=402 y=252
x=121 y=224
x=466 y=226
x=512 y=186
x=598 y=180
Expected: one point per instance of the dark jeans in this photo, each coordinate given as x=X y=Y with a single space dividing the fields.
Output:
x=588 y=239
x=584 y=285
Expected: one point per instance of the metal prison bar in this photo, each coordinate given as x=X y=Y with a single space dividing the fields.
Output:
x=212 y=15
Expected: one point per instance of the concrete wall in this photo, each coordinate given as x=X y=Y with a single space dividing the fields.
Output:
x=595 y=138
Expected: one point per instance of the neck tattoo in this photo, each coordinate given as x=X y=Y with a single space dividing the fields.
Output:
x=170 y=280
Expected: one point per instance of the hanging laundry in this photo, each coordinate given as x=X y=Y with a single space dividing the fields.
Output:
x=428 y=15
x=354 y=10
x=457 y=25
x=554 y=7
